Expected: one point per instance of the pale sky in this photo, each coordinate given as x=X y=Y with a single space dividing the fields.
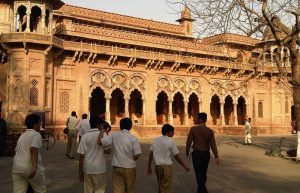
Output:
x=149 y=9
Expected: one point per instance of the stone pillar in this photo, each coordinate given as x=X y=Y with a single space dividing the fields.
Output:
x=43 y=24
x=235 y=114
x=50 y=23
x=28 y=21
x=170 y=116
x=200 y=105
x=126 y=107
x=108 y=109
x=222 y=113
x=186 y=113
x=15 y=22
x=144 y=109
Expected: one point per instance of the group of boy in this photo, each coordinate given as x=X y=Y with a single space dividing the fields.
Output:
x=126 y=150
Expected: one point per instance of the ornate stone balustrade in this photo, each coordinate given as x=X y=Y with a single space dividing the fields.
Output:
x=124 y=20
x=230 y=38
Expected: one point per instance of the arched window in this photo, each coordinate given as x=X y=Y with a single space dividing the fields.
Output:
x=64 y=102
x=33 y=93
x=260 y=109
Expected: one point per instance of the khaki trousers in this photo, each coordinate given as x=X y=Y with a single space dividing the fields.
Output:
x=95 y=183
x=71 y=145
x=21 y=182
x=123 y=180
x=164 y=178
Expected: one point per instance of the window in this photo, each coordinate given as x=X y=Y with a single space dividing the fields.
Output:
x=33 y=93
x=64 y=102
x=260 y=110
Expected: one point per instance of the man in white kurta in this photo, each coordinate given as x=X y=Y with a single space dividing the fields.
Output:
x=92 y=163
x=248 y=131
x=27 y=163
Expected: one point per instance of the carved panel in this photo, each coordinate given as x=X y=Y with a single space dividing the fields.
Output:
x=99 y=78
x=137 y=81
x=35 y=65
x=164 y=84
x=119 y=80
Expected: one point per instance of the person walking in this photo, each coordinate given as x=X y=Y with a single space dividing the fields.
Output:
x=83 y=126
x=3 y=135
x=201 y=139
x=27 y=163
x=248 y=132
x=161 y=150
x=92 y=163
x=72 y=135
x=126 y=150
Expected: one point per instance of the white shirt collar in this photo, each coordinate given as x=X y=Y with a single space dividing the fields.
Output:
x=94 y=129
x=125 y=131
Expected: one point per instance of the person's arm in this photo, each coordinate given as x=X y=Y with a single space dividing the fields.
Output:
x=179 y=160
x=149 y=171
x=34 y=159
x=136 y=149
x=136 y=156
x=214 y=148
x=189 y=141
x=100 y=140
x=81 y=174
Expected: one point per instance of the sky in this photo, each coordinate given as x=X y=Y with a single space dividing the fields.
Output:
x=157 y=10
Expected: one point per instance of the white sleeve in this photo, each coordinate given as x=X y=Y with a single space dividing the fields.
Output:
x=81 y=147
x=106 y=140
x=36 y=141
x=174 y=150
x=79 y=125
x=136 y=147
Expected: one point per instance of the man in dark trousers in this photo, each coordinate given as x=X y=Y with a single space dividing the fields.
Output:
x=3 y=134
x=200 y=140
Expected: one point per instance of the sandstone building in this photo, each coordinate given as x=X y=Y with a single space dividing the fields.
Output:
x=56 y=58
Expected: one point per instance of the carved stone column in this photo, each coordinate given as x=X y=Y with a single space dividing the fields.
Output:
x=170 y=115
x=108 y=109
x=144 y=110
x=235 y=114
x=28 y=13
x=126 y=107
x=43 y=24
x=222 y=113
x=15 y=23
x=186 y=113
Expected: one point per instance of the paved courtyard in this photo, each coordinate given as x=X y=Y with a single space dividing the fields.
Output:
x=243 y=169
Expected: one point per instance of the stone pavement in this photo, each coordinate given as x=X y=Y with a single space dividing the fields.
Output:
x=243 y=169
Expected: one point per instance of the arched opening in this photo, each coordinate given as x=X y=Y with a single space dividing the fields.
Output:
x=98 y=103
x=193 y=108
x=21 y=18
x=178 y=109
x=136 y=106
x=228 y=110
x=117 y=106
x=35 y=19
x=215 y=109
x=162 y=109
x=241 y=110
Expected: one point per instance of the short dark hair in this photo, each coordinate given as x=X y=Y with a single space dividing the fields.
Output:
x=203 y=117
x=166 y=128
x=73 y=114
x=31 y=120
x=126 y=123
x=84 y=116
x=95 y=121
x=106 y=126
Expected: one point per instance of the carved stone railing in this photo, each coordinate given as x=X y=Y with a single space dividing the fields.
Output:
x=156 y=41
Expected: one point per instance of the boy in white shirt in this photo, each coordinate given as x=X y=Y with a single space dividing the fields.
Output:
x=83 y=126
x=92 y=162
x=27 y=163
x=126 y=150
x=161 y=150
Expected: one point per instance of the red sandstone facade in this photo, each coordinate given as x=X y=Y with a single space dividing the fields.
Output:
x=57 y=58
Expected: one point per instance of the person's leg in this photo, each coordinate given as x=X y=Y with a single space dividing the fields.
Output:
x=166 y=181
x=118 y=178
x=159 y=176
x=88 y=184
x=200 y=163
x=19 y=183
x=68 y=145
x=73 y=144
x=100 y=181
x=38 y=183
x=130 y=179
x=249 y=140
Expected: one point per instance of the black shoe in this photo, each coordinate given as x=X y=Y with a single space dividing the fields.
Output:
x=67 y=155
x=72 y=158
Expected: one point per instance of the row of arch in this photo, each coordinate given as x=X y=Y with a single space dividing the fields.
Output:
x=33 y=20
